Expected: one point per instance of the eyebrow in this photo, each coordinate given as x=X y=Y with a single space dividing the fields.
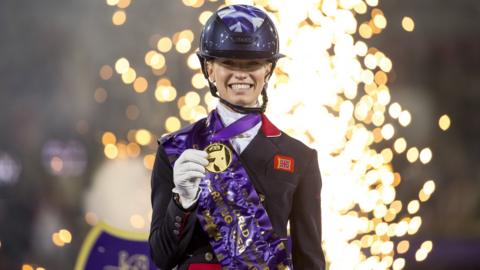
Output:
x=231 y=63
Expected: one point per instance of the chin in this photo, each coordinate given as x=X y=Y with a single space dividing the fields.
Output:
x=239 y=102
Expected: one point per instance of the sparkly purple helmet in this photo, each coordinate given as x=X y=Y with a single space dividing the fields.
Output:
x=239 y=32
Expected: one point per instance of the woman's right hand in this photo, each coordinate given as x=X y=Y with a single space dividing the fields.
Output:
x=188 y=169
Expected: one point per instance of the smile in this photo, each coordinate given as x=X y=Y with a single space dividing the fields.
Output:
x=240 y=86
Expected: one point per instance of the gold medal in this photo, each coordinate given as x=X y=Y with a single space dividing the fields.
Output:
x=219 y=157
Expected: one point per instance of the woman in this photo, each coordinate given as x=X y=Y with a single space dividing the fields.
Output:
x=225 y=187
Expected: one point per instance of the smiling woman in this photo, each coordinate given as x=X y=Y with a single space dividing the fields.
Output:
x=225 y=187
x=239 y=81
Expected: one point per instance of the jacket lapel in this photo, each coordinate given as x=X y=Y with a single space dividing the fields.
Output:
x=259 y=152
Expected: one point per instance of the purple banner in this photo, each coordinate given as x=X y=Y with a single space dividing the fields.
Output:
x=109 y=248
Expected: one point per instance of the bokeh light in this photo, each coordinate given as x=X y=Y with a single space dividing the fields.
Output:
x=129 y=76
x=183 y=45
x=10 y=169
x=65 y=236
x=426 y=155
x=100 y=95
x=408 y=24
x=148 y=161
x=412 y=154
x=132 y=112
x=112 y=2
x=165 y=93
x=111 y=151
x=204 y=16
x=164 y=44
x=172 y=124
x=140 y=85
x=122 y=65
x=119 y=17
x=123 y=3
x=444 y=122
x=64 y=158
x=143 y=137
x=106 y=72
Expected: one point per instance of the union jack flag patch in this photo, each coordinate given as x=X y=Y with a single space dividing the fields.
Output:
x=284 y=163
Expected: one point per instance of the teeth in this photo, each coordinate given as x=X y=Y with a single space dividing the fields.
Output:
x=236 y=86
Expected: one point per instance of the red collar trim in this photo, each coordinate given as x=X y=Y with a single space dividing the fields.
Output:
x=268 y=128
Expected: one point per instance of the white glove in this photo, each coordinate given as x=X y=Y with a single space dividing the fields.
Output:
x=187 y=172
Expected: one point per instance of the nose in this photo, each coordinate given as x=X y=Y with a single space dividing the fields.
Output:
x=240 y=75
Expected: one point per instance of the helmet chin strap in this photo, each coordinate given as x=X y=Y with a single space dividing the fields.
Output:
x=238 y=108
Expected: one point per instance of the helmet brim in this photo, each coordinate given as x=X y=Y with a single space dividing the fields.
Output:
x=241 y=55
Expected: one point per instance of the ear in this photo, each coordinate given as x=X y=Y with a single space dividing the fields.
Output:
x=211 y=75
x=268 y=68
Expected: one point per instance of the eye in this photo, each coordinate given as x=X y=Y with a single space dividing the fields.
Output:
x=255 y=64
x=228 y=63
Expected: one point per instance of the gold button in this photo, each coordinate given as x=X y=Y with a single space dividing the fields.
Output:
x=262 y=197
x=208 y=256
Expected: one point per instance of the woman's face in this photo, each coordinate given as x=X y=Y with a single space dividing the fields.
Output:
x=239 y=82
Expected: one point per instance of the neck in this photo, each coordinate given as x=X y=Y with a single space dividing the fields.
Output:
x=241 y=109
x=230 y=109
x=222 y=108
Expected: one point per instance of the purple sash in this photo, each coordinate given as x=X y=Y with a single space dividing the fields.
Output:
x=229 y=208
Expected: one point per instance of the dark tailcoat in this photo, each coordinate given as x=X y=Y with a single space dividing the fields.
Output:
x=177 y=238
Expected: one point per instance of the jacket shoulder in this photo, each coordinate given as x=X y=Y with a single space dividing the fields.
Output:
x=286 y=141
x=282 y=139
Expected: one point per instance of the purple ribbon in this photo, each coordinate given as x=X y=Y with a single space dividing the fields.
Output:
x=229 y=208
x=238 y=127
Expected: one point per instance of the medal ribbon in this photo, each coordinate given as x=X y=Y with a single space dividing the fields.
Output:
x=230 y=211
x=238 y=127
